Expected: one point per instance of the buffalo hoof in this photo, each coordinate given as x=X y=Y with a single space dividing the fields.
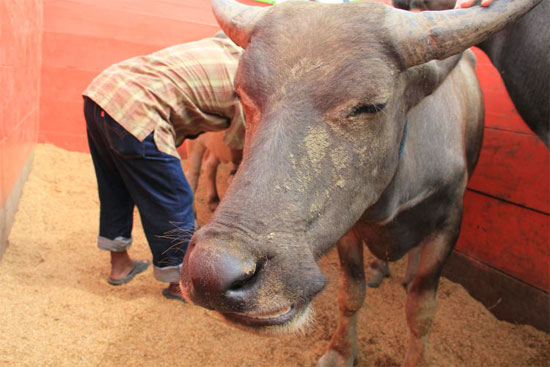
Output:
x=332 y=359
x=378 y=270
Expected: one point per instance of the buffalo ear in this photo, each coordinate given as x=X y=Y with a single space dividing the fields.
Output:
x=436 y=35
x=424 y=79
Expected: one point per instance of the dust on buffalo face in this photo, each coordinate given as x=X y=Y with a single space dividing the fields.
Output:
x=327 y=91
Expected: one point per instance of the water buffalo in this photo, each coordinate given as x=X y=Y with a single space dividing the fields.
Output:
x=210 y=149
x=363 y=125
x=521 y=54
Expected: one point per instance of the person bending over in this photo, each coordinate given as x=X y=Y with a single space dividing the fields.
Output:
x=137 y=113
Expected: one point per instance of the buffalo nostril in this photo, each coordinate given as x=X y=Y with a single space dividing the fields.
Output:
x=247 y=279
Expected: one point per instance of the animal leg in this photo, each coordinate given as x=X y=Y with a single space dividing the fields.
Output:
x=377 y=270
x=412 y=265
x=195 y=152
x=211 y=169
x=351 y=294
x=421 y=292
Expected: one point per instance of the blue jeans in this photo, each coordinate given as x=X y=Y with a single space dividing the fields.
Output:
x=130 y=172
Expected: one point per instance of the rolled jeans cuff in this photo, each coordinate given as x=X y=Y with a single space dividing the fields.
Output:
x=168 y=274
x=119 y=244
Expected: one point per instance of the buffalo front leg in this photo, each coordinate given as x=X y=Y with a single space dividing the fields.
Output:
x=342 y=350
x=412 y=265
x=421 y=292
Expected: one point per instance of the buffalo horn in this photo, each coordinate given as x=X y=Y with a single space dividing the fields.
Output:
x=237 y=20
x=431 y=35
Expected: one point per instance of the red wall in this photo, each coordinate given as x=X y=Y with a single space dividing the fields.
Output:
x=83 y=37
x=20 y=59
x=506 y=211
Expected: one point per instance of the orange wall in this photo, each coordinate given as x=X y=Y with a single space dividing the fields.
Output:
x=83 y=37
x=20 y=59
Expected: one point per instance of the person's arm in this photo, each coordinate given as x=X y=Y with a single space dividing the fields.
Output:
x=468 y=3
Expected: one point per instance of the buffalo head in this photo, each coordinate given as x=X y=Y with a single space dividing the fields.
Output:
x=326 y=90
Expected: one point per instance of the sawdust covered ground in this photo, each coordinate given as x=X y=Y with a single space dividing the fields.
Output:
x=56 y=309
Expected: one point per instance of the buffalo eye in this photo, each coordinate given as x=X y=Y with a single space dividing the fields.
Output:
x=366 y=108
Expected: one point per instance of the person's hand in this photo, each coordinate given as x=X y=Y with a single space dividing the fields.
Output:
x=460 y=4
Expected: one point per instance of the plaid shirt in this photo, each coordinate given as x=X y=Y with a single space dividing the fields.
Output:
x=178 y=92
